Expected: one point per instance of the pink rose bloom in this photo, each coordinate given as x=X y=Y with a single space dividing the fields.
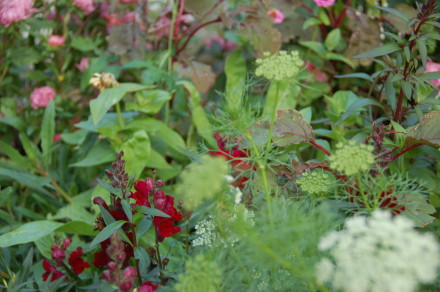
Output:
x=56 y=40
x=324 y=3
x=15 y=10
x=128 y=1
x=433 y=67
x=277 y=15
x=85 y=5
x=83 y=64
x=41 y=96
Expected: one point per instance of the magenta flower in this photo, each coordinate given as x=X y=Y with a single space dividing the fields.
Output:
x=56 y=40
x=128 y=1
x=85 y=5
x=278 y=16
x=15 y=10
x=83 y=64
x=324 y=3
x=41 y=96
x=224 y=44
x=433 y=67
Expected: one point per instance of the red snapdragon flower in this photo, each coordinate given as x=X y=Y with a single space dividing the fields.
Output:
x=76 y=262
x=164 y=226
x=51 y=270
x=147 y=287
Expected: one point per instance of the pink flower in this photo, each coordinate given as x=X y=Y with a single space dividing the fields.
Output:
x=85 y=5
x=56 y=137
x=15 y=10
x=56 y=40
x=433 y=67
x=128 y=1
x=41 y=96
x=83 y=64
x=324 y=3
x=277 y=15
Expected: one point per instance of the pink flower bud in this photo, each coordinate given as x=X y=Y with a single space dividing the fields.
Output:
x=130 y=273
x=111 y=266
x=83 y=64
x=58 y=256
x=324 y=3
x=66 y=243
x=150 y=184
x=108 y=276
x=278 y=16
x=159 y=183
x=85 y=5
x=120 y=257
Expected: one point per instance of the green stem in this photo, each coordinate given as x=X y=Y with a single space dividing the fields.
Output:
x=170 y=37
x=272 y=121
x=120 y=119
x=363 y=195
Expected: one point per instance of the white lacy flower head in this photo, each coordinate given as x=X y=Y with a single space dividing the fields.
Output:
x=381 y=253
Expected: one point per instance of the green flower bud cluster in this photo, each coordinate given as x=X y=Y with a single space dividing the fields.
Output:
x=352 y=158
x=314 y=183
x=280 y=66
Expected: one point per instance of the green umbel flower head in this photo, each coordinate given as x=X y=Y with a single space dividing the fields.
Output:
x=352 y=158
x=314 y=183
x=280 y=66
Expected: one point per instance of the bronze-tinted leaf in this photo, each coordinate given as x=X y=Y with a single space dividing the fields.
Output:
x=426 y=132
x=200 y=74
x=291 y=128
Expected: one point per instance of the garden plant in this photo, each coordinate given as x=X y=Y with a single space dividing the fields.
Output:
x=220 y=145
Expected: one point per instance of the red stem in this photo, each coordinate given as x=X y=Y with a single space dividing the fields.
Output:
x=342 y=15
x=332 y=17
x=194 y=32
x=404 y=151
x=313 y=142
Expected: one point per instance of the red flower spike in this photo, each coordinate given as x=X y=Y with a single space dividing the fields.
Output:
x=51 y=271
x=76 y=262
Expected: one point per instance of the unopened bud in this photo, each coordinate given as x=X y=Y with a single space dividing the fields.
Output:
x=109 y=174
x=151 y=251
x=165 y=261
x=67 y=242
x=150 y=184
x=159 y=183
x=107 y=274
x=111 y=266
x=120 y=257
x=126 y=286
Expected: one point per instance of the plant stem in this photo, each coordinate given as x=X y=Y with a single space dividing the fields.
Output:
x=404 y=151
x=313 y=142
x=120 y=119
x=363 y=195
x=170 y=38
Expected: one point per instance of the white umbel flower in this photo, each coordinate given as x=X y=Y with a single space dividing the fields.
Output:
x=381 y=253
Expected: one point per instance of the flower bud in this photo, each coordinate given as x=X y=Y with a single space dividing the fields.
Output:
x=111 y=266
x=159 y=183
x=150 y=184
x=151 y=251
x=107 y=274
x=66 y=243
x=130 y=273
x=58 y=256
x=165 y=261
x=120 y=257
x=126 y=286
x=109 y=174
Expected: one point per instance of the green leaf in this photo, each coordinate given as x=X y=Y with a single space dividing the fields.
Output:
x=29 y=232
x=379 y=51
x=356 y=75
x=198 y=114
x=25 y=56
x=48 y=131
x=15 y=156
x=136 y=153
x=311 y=21
x=422 y=50
x=314 y=46
x=235 y=70
x=109 y=97
x=77 y=227
x=107 y=232
x=407 y=89
x=26 y=178
x=417 y=208
x=354 y=107
x=394 y=12
x=426 y=132
x=149 y=101
x=108 y=187
x=127 y=210
x=31 y=150
x=143 y=226
x=142 y=255
x=83 y=44
x=156 y=160
x=339 y=57
x=430 y=76
x=333 y=39
x=151 y=211
x=390 y=92
x=15 y=122
x=100 y=153
x=291 y=128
